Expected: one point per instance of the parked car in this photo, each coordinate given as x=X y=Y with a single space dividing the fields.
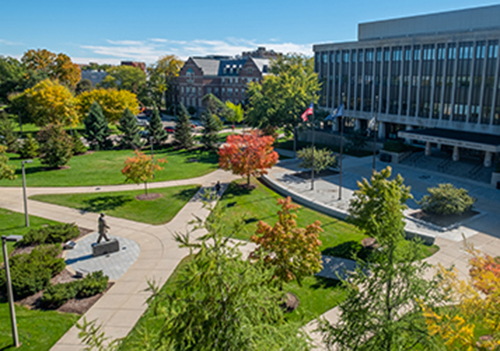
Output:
x=142 y=122
x=169 y=129
x=144 y=133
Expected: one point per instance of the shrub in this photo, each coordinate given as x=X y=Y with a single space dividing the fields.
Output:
x=396 y=146
x=56 y=295
x=52 y=234
x=323 y=158
x=79 y=147
x=446 y=200
x=92 y=284
x=32 y=272
x=30 y=148
x=56 y=147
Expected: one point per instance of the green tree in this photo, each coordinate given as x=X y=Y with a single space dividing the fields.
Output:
x=323 y=159
x=96 y=129
x=236 y=113
x=216 y=107
x=382 y=310
x=56 y=147
x=183 y=129
x=356 y=140
x=7 y=135
x=78 y=147
x=11 y=75
x=211 y=128
x=445 y=200
x=130 y=139
x=283 y=95
x=83 y=85
x=155 y=128
x=6 y=171
x=30 y=148
x=161 y=76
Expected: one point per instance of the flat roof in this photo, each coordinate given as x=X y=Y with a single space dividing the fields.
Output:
x=477 y=141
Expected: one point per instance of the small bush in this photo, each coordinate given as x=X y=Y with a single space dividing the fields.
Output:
x=30 y=148
x=92 y=284
x=56 y=147
x=446 y=200
x=52 y=234
x=323 y=158
x=78 y=147
x=396 y=146
x=32 y=272
x=56 y=295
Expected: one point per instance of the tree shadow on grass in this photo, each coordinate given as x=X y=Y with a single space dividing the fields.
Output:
x=235 y=189
x=186 y=194
x=323 y=283
x=348 y=250
x=105 y=203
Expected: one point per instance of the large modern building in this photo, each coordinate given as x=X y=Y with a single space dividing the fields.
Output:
x=224 y=76
x=430 y=79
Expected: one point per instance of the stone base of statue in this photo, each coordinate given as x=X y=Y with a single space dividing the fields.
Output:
x=105 y=247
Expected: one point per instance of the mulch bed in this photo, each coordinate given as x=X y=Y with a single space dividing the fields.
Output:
x=151 y=196
x=443 y=221
x=80 y=306
x=307 y=174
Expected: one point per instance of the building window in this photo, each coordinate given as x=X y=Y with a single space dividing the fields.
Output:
x=441 y=52
x=480 y=50
x=353 y=55
x=428 y=53
x=337 y=55
x=209 y=90
x=182 y=90
x=379 y=55
x=369 y=56
x=493 y=49
x=325 y=58
x=360 y=56
x=386 y=55
x=346 y=57
x=396 y=54
x=416 y=53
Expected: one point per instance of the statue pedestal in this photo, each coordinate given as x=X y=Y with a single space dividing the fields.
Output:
x=106 y=247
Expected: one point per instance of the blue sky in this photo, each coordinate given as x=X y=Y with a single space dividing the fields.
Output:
x=111 y=31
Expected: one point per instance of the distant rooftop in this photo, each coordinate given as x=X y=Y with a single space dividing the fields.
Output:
x=467 y=20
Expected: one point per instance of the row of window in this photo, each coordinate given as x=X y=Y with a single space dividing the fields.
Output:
x=210 y=90
x=425 y=52
x=232 y=80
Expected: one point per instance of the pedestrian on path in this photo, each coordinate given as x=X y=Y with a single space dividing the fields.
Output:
x=217 y=188
x=102 y=228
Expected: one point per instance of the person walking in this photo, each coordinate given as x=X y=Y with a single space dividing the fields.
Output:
x=102 y=228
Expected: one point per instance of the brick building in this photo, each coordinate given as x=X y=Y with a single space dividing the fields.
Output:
x=225 y=77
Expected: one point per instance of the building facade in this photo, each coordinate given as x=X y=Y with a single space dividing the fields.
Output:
x=223 y=76
x=437 y=72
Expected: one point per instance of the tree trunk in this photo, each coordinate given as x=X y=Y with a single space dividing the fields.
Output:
x=294 y=139
x=146 y=187
x=388 y=301
x=248 y=179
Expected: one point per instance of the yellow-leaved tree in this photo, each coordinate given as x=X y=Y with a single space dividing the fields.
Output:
x=50 y=102
x=474 y=322
x=140 y=169
x=113 y=102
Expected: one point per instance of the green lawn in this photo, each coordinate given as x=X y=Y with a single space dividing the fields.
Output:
x=260 y=204
x=12 y=223
x=30 y=128
x=37 y=330
x=104 y=168
x=123 y=204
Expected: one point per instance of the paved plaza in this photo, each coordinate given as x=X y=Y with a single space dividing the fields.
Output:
x=150 y=253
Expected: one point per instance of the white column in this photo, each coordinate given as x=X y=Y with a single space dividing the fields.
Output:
x=487 y=159
x=456 y=154
x=427 y=148
x=381 y=130
x=357 y=124
x=408 y=127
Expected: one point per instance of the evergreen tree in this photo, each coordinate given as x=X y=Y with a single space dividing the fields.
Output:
x=96 y=129
x=210 y=131
x=7 y=135
x=30 y=148
x=78 y=147
x=183 y=136
x=128 y=126
x=155 y=128
x=56 y=147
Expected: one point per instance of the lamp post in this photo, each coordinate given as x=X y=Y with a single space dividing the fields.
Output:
x=26 y=217
x=10 y=295
x=152 y=154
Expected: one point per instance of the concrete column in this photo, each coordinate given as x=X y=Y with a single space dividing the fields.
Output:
x=336 y=124
x=357 y=124
x=408 y=127
x=381 y=130
x=487 y=159
x=427 y=148
x=456 y=154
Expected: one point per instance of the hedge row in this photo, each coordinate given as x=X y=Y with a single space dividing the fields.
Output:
x=31 y=272
x=56 y=295
x=52 y=234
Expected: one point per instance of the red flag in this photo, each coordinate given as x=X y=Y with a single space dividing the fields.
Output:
x=307 y=112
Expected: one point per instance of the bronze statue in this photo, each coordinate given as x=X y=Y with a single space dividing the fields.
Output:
x=103 y=229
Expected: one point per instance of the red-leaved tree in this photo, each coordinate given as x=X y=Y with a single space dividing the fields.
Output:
x=140 y=169
x=248 y=154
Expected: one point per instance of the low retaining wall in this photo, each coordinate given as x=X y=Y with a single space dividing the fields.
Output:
x=330 y=211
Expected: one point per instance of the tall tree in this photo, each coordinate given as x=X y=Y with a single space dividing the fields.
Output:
x=113 y=102
x=248 y=154
x=96 y=129
x=6 y=170
x=7 y=135
x=83 y=85
x=293 y=251
x=155 y=128
x=382 y=310
x=56 y=66
x=211 y=127
x=283 y=95
x=236 y=113
x=130 y=139
x=215 y=106
x=161 y=76
x=51 y=102
x=141 y=168
x=56 y=147
x=183 y=129
x=132 y=79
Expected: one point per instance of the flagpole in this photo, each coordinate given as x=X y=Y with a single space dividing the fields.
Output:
x=341 y=120
x=375 y=137
x=312 y=150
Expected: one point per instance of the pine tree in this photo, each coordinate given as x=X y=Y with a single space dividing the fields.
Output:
x=30 y=148
x=155 y=128
x=96 y=129
x=210 y=131
x=7 y=135
x=128 y=126
x=56 y=147
x=78 y=147
x=183 y=136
